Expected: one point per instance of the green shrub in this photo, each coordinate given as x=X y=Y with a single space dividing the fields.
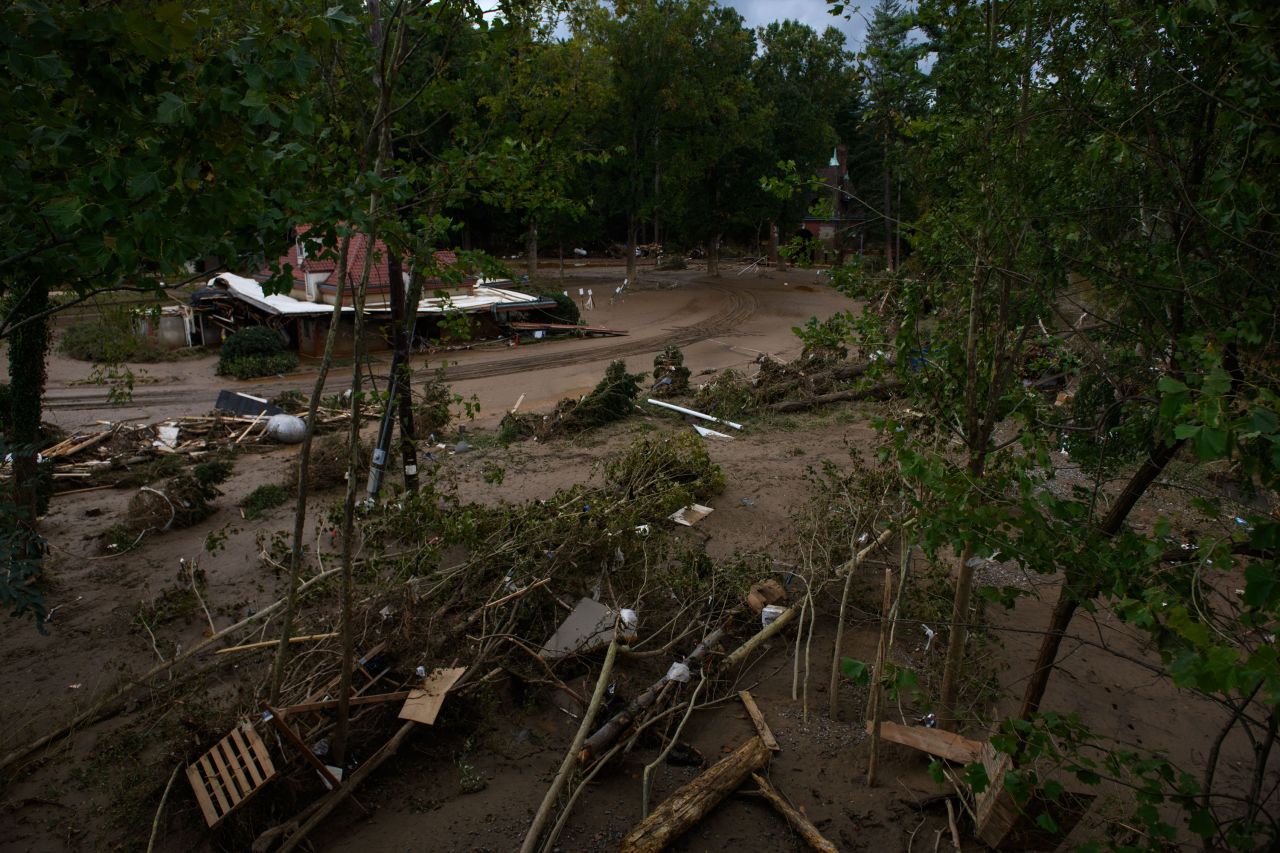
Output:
x=110 y=341
x=253 y=340
x=253 y=366
x=566 y=310
x=264 y=498
x=254 y=351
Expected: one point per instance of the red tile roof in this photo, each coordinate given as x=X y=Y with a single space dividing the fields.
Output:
x=325 y=259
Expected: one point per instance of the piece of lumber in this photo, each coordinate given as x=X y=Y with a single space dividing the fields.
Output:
x=797 y=821
x=324 y=705
x=943 y=744
x=290 y=735
x=757 y=719
x=100 y=705
x=269 y=643
x=61 y=451
x=683 y=809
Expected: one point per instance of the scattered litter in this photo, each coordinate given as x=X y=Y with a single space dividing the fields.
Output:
x=168 y=436
x=691 y=514
x=385 y=613
x=423 y=704
x=75 y=686
x=421 y=671
x=748 y=502
x=769 y=614
x=710 y=433
x=679 y=672
x=764 y=593
x=642 y=529
x=929 y=634
x=630 y=620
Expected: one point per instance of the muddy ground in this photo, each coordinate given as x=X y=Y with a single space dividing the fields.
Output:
x=509 y=743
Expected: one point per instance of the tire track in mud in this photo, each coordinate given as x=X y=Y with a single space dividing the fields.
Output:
x=739 y=306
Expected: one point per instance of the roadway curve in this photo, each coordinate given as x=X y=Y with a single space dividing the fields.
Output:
x=736 y=306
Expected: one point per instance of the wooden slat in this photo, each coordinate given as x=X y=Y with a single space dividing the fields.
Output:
x=245 y=753
x=943 y=744
x=263 y=756
x=757 y=718
x=224 y=776
x=214 y=782
x=374 y=699
x=198 y=787
x=232 y=754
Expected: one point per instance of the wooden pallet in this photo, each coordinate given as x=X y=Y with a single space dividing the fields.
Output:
x=226 y=776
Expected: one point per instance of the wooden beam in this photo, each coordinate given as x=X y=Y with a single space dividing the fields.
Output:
x=757 y=718
x=326 y=704
x=943 y=744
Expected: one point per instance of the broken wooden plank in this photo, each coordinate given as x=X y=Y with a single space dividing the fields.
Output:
x=683 y=809
x=943 y=744
x=290 y=735
x=423 y=704
x=326 y=704
x=757 y=718
x=797 y=821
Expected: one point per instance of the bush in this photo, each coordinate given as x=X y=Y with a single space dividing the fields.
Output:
x=110 y=341
x=566 y=310
x=328 y=465
x=652 y=461
x=253 y=340
x=255 y=351
x=253 y=366
x=727 y=396
x=264 y=498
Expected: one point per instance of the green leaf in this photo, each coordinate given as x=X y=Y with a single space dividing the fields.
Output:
x=63 y=213
x=855 y=670
x=172 y=109
x=1182 y=431
x=1211 y=443
x=1046 y=822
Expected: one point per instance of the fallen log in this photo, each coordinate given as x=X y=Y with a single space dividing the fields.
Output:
x=690 y=803
x=99 y=707
x=801 y=824
x=620 y=722
x=883 y=391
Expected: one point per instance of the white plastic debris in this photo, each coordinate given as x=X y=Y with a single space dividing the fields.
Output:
x=770 y=613
x=642 y=529
x=421 y=672
x=929 y=634
x=679 y=672
x=286 y=429
x=630 y=619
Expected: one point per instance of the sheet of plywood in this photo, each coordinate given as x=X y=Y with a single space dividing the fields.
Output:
x=588 y=627
x=423 y=704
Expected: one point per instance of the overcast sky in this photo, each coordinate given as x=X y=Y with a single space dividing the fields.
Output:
x=812 y=12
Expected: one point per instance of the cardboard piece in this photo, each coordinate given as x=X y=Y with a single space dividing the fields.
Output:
x=423 y=704
x=691 y=514
x=765 y=592
x=588 y=627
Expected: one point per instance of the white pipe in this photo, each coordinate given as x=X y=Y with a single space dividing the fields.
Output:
x=682 y=410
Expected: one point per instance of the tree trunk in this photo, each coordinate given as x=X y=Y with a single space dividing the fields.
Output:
x=28 y=345
x=713 y=257
x=304 y=470
x=631 y=247
x=531 y=250
x=408 y=435
x=889 y=260
x=1069 y=598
